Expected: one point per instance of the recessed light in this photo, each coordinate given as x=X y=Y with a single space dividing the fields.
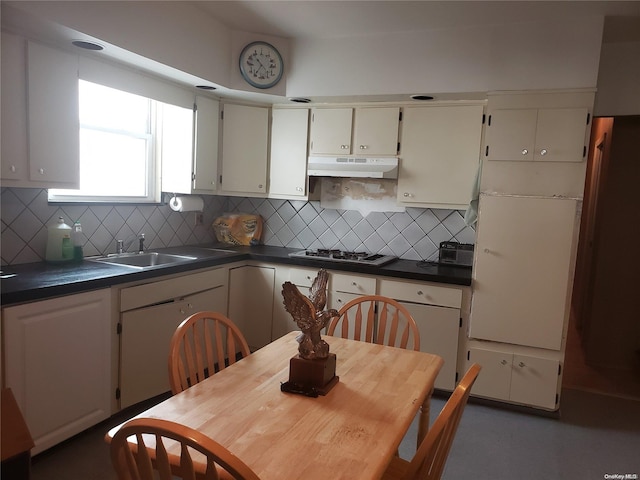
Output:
x=87 y=45
x=421 y=97
x=206 y=87
x=300 y=100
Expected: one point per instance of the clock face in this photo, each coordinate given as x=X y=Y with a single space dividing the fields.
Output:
x=261 y=65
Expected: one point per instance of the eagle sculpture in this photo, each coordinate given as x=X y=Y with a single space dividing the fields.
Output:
x=309 y=315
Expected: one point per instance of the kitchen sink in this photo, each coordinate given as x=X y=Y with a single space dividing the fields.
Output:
x=143 y=260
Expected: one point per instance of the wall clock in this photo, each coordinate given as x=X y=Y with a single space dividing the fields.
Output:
x=261 y=65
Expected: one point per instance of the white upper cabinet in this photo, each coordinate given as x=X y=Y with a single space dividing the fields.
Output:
x=331 y=131
x=53 y=116
x=245 y=137
x=205 y=160
x=288 y=165
x=40 y=115
x=440 y=150
x=536 y=142
x=366 y=131
x=539 y=135
x=375 y=131
x=14 y=165
x=193 y=167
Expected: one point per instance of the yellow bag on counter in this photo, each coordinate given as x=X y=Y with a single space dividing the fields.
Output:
x=238 y=229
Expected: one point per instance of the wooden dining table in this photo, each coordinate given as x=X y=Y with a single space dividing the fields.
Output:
x=351 y=432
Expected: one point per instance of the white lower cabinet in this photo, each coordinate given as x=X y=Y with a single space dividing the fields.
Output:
x=437 y=312
x=251 y=293
x=516 y=377
x=345 y=287
x=58 y=363
x=150 y=315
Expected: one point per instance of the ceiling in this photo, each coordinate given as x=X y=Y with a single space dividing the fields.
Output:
x=305 y=19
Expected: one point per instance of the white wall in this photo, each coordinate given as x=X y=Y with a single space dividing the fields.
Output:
x=172 y=33
x=619 y=80
x=507 y=57
x=553 y=54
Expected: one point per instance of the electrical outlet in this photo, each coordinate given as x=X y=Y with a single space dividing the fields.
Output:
x=198 y=219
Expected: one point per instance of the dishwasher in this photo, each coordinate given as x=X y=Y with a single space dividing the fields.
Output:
x=150 y=314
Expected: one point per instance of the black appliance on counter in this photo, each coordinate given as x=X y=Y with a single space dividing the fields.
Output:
x=360 y=258
x=454 y=253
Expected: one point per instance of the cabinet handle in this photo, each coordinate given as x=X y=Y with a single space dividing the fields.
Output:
x=41 y=171
x=260 y=186
x=420 y=292
x=13 y=169
x=486 y=250
x=525 y=151
x=344 y=147
x=354 y=284
x=189 y=306
x=299 y=189
x=364 y=147
x=182 y=311
x=503 y=362
x=543 y=152
x=521 y=364
x=407 y=194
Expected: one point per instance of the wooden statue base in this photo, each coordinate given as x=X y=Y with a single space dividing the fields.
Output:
x=319 y=374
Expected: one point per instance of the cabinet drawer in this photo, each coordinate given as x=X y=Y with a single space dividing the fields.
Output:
x=154 y=292
x=421 y=293
x=303 y=277
x=352 y=284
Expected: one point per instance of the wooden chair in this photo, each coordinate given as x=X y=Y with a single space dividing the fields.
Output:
x=376 y=319
x=150 y=450
x=203 y=344
x=431 y=456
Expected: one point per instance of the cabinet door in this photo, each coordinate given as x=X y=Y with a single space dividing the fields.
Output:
x=546 y=134
x=338 y=300
x=439 y=328
x=53 y=115
x=440 y=150
x=331 y=131
x=534 y=381
x=14 y=163
x=205 y=162
x=511 y=134
x=376 y=131
x=288 y=167
x=244 y=149
x=251 y=292
x=560 y=134
x=58 y=364
x=522 y=274
x=494 y=380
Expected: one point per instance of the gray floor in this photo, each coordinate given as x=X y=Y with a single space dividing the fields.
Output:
x=595 y=436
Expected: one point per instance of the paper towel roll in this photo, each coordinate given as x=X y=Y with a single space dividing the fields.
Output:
x=186 y=204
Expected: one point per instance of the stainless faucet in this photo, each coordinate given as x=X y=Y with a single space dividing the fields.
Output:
x=122 y=246
x=141 y=244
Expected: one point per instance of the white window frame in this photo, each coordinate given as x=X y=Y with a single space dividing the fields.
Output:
x=132 y=81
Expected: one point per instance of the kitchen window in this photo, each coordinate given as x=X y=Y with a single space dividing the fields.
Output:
x=124 y=135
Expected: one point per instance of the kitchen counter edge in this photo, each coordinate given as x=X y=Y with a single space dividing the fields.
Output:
x=39 y=281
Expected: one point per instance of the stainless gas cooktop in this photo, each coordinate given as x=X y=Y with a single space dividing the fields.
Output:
x=360 y=258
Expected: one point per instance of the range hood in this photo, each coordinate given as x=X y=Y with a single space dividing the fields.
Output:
x=362 y=167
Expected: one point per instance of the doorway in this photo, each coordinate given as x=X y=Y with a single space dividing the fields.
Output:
x=603 y=339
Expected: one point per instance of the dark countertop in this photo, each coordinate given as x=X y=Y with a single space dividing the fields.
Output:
x=37 y=281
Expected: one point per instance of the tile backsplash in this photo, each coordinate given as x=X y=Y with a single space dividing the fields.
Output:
x=413 y=234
